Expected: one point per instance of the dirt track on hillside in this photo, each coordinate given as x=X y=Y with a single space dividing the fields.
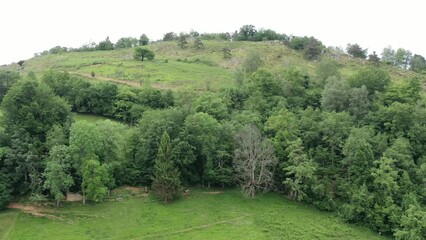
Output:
x=108 y=79
x=33 y=210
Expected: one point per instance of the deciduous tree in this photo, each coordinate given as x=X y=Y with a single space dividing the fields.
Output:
x=57 y=173
x=95 y=181
x=254 y=161
x=142 y=53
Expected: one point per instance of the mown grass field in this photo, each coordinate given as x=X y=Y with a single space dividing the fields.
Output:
x=201 y=216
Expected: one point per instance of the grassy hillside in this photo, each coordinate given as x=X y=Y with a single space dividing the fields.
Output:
x=201 y=216
x=189 y=68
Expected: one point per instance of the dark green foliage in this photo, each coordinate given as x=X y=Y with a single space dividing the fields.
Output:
x=166 y=179
x=105 y=45
x=182 y=42
x=201 y=133
x=295 y=86
x=126 y=42
x=170 y=36
x=300 y=171
x=374 y=59
x=247 y=33
x=142 y=53
x=226 y=53
x=143 y=144
x=359 y=156
x=374 y=79
x=313 y=49
x=95 y=181
x=57 y=173
x=57 y=49
x=212 y=104
x=353 y=146
x=7 y=79
x=298 y=43
x=268 y=35
x=32 y=107
x=354 y=50
x=143 y=40
x=5 y=190
x=413 y=224
x=418 y=63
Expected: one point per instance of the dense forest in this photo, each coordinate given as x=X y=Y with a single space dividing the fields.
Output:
x=352 y=144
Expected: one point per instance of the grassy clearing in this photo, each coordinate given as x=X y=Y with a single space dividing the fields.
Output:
x=89 y=117
x=201 y=216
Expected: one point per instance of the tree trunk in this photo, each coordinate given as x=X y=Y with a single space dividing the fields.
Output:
x=57 y=203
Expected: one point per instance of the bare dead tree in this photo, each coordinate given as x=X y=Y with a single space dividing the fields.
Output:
x=254 y=161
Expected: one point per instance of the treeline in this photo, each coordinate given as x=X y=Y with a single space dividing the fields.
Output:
x=311 y=47
x=354 y=146
x=105 y=45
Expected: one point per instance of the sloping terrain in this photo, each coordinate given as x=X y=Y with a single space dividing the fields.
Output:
x=188 y=68
x=198 y=216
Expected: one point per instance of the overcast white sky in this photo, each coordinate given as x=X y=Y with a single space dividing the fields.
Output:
x=30 y=26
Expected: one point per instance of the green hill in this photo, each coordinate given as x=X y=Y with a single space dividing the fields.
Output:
x=189 y=68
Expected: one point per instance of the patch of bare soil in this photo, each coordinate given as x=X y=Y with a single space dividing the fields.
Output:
x=36 y=211
x=108 y=79
x=212 y=193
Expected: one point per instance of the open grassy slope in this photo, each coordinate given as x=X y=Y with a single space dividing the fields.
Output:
x=189 y=68
x=201 y=216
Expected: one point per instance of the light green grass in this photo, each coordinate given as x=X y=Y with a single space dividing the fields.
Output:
x=201 y=216
x=89 y=117
x=7 y=222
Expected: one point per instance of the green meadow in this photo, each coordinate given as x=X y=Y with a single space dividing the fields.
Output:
x=202 y=215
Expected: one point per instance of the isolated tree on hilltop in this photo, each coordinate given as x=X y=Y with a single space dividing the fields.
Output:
x=254 y=161
x=166 y=181
x=354 y=50
x=247 y=33
x=142 y=53
x=170 y=36
x=143 y=40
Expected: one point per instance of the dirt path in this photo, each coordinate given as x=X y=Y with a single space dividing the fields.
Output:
x=108 y=79
x=156 y=235
x=33 y=210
